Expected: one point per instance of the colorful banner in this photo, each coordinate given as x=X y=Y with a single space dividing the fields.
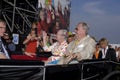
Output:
x=53 y=15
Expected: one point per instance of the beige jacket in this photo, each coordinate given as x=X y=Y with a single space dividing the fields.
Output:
x=84 y=48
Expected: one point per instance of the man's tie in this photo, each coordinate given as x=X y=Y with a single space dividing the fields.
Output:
x=1 y=48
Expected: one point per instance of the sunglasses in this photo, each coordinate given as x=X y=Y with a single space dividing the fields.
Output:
x=76 y=29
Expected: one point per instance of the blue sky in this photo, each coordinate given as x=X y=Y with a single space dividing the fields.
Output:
x=102 y=16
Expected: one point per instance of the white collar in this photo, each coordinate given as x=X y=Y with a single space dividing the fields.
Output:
x=106 y=48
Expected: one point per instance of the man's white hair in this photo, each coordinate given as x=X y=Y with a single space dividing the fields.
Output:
x=84 y=26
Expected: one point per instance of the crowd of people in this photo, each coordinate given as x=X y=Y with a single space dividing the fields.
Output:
x=52 y=18
x=65 y=47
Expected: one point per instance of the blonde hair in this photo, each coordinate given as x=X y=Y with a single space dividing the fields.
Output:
x=103 y=41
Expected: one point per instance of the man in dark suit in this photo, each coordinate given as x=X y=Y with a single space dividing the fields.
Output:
x=106 y=52
x=3 y=51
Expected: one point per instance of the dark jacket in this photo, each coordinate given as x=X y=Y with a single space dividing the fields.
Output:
x=110 y=54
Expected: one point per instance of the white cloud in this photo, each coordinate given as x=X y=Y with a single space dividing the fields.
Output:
x=93 y=8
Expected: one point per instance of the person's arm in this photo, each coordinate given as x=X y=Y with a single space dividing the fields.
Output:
x=45 y=40
x=2 y=56
x=27 y=40
x=88 y=51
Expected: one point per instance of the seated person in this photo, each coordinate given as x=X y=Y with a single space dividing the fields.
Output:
x=96 y=53
x=70 y=38
x=10 y=46
x=81 y=48
x=31 y=44
x=106 y=52
x=34 y=26
x=58 y=48
x=3 y=52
